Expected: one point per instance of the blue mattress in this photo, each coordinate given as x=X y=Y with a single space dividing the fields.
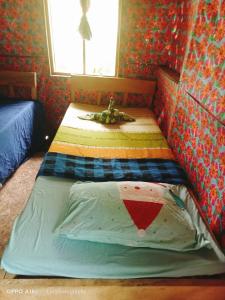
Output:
x=21 y=133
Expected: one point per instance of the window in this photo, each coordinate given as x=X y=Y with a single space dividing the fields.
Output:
x=69 y=52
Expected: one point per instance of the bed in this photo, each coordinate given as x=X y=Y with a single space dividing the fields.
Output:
x=21 y=122
x=85 y=155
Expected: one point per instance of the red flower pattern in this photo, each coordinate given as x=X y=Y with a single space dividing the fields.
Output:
x=206 y=56
x=206 y=156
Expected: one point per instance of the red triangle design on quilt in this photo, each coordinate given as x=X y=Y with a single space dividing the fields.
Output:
x=142 y=213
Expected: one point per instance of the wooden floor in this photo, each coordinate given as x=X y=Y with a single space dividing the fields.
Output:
x=2 y=274
x=14 y=195
x=159 y=289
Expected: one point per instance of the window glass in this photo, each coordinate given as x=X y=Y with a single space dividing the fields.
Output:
x=67 y=44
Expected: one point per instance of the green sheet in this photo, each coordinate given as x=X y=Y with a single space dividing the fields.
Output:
x=110 y=139
x=34 y=249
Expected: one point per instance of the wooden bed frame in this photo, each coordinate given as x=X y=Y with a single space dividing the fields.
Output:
x=112 y=84
x=13 y=79
x=85 y=289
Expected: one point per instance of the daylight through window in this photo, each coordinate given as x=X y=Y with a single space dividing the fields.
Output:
x=69 y=52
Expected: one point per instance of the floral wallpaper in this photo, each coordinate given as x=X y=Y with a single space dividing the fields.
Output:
x=202 y=135
x=198 y=142
x=196 y=108
x=154 y=33
x=166 y=98
x=146 y=36
x=203 y=73
x=182 y=23
x=22 y=30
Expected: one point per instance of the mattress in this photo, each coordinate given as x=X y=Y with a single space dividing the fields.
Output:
x=86 y=151
x=48 y=254
x=21 y=130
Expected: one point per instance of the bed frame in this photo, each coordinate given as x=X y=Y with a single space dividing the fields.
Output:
x=13 y=79
x=112 y=84
x=85 y=289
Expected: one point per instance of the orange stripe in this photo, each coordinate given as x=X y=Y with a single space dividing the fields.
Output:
x=110 y=152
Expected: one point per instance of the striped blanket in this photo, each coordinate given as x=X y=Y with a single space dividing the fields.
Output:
x=139 y=139
x=90 y=151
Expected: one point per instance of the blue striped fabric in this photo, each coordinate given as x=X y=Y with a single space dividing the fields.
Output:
x=97 y=169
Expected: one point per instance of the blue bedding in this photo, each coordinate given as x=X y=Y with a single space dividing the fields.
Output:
x=21 y=133
x=98 y=169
